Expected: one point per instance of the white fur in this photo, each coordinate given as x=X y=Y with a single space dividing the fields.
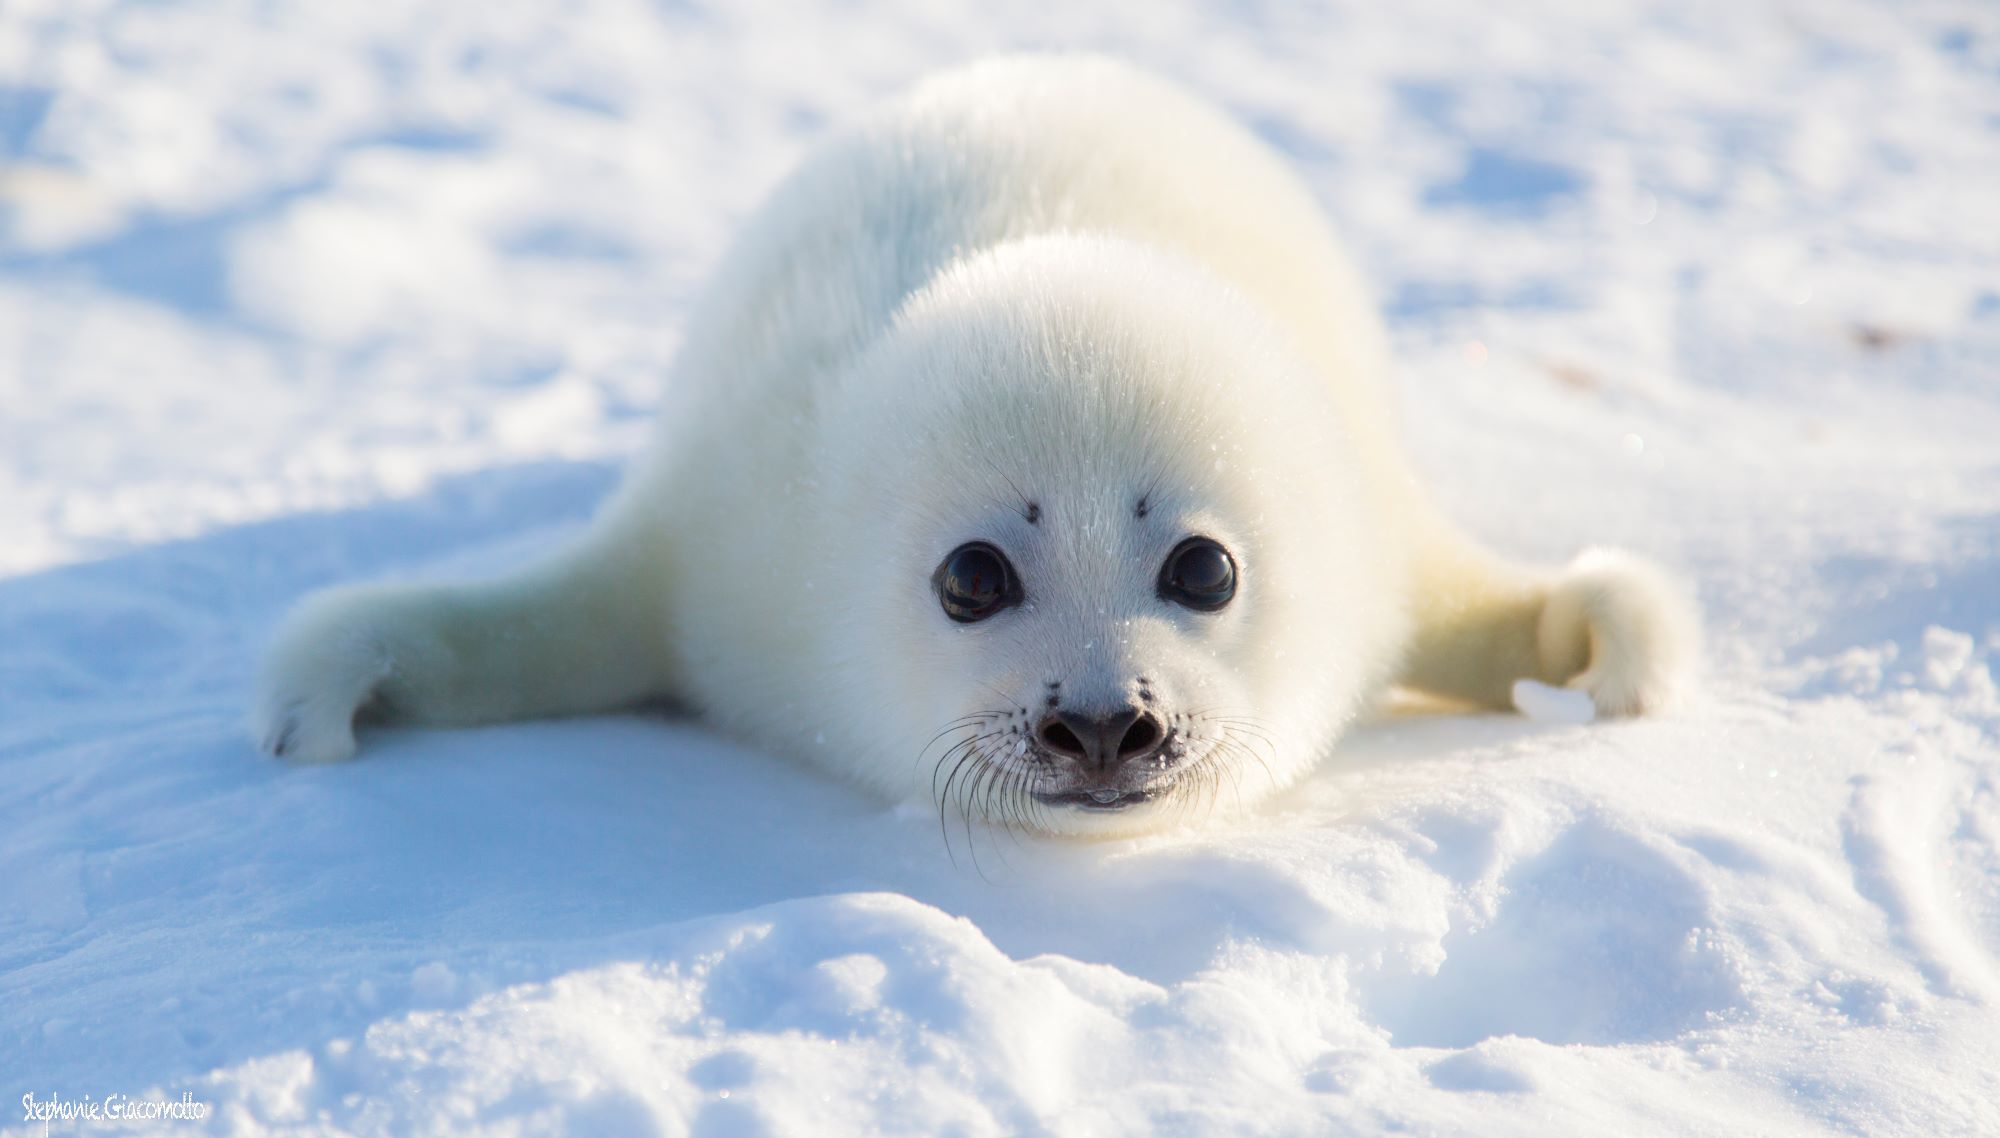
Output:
x=1639 y=629
x=1047 y=280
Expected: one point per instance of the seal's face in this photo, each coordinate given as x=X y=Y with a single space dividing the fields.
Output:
x=1102 y=628
x=1103 y=580
x=1108 y=706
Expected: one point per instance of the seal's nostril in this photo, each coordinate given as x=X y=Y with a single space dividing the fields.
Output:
x=1142 y=736
x=1057 y=737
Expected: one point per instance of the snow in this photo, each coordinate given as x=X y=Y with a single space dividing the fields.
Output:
x=296 y=295
x=1545 y=704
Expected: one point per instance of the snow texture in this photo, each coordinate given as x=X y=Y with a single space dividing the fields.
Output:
x=1544 y=704
x=297 y=294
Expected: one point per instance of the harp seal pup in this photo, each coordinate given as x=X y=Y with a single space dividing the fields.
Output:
x=1031 y=450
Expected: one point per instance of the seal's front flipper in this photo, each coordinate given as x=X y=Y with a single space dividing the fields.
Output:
x=1610 y=624
x=575 y=634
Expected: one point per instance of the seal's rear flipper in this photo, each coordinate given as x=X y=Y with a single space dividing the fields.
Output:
x=577 y=633
x=1610 y=624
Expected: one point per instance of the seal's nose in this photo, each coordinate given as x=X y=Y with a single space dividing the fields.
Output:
x=1102 y=742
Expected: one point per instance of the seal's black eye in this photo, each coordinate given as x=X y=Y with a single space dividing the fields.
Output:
x=974 y=582
x=1200 y=574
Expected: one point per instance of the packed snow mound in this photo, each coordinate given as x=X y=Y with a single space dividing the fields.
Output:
x=306 y=296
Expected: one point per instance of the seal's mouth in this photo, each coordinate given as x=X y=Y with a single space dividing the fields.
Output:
x=1102 y=799
x=1067 y=785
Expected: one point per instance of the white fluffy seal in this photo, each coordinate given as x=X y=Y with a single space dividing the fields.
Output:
x=1031 y=449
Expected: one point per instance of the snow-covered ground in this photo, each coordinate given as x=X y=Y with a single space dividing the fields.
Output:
x=298 y=294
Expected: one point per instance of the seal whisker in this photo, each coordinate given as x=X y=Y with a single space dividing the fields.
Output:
x=958 y=756
x=1233 y=748
x=999 y=794
x=944 y=758
x=1010 y=803
x=1244 y=737
x=944 y=796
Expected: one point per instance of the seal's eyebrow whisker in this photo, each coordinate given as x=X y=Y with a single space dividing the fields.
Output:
x=1145 y=504
x=1030 y=509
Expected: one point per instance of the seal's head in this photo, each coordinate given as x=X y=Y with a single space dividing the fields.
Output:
x=1111 y=566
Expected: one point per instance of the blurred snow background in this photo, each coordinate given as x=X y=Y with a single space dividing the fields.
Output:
x=298 y=294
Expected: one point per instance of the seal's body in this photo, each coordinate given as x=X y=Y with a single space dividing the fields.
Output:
x=1031 y=447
